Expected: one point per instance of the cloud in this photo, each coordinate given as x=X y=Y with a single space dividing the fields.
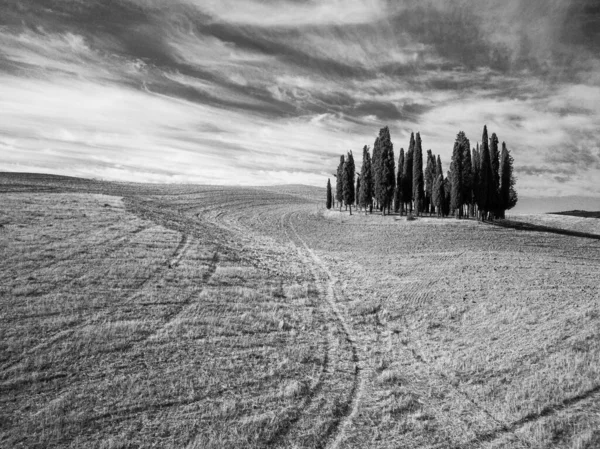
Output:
x=261 y=91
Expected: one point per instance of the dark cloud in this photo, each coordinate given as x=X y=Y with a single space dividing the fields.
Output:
x=562 y=179
x=534 y=170
x=574 y=156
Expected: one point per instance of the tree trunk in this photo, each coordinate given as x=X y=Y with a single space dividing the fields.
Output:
x=350 y=209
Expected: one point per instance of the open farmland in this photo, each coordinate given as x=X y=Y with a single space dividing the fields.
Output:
x=195 y=316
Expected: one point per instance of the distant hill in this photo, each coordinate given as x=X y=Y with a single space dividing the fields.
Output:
x=539 y=205
x=578 y=213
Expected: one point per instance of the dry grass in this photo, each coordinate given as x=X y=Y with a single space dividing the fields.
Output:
x=189 y=316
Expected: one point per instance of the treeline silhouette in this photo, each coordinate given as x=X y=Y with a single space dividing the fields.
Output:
x=480 y=182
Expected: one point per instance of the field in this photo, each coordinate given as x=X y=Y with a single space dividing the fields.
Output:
x=216 y=317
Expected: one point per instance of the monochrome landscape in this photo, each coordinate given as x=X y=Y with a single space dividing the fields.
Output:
x=300 y=224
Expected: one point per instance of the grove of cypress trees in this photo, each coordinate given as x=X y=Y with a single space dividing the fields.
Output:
x=339 y=182
x=398 y=204
x=366 y=192
x=329 y=198
x=348 y=183
x=407 y=174
x=508 y=194
x=418 y=182
x=429 y=180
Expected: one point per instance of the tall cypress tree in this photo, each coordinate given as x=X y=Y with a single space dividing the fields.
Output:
x=357 y=191
x=329 y=198
x=437 y=194
x=447 y=188
x=495 y=160
x=407 y=174
x=429 y=180
x=475 y=163
x=384 y=192
x=508 y=194
x=399 y=184
x=467 y=176
x=366 y=191
x=456 y=176
x=339 y=182
x=376 y=169
x=348 y=185
x=438 y=167
x=486 y=178
x=391 y=176
x=418 y=181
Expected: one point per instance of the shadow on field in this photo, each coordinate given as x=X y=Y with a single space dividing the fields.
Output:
x=522 y=226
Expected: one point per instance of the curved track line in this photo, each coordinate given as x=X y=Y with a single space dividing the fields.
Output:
x=339 y=427
x=62 y=334
x=317 y=386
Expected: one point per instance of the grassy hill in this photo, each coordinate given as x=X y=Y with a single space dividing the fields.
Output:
x=210 y=317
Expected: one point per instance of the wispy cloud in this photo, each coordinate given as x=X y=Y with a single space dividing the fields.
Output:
x=272 y=91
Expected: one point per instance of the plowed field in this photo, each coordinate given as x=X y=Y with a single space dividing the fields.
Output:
x=216 y=317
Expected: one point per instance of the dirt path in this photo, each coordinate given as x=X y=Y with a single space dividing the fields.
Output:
x=337 y=432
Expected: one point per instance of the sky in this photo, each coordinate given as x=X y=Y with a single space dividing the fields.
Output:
x=256 y=92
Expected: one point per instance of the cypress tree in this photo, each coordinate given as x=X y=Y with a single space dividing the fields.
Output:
x=348 y=184
x=429 y=180
x=508 y=194
x=418 y=182
x=438 y=167
x=456 y=176
x=495 y=160
x=357 y=192
x=399 y=184
x=475 y=163
x=339 y=182
x=446 y=188
x=437 y=194
x=384 y=192
x=486 y=178
x=391 y=176
x=329 y=199
x=467 y=176
x=376 y=169
x=366 y=191
x=407 y=174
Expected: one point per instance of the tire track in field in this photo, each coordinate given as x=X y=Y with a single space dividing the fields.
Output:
x=117 y=240
x=566 y=404
x=206 y=277
x=64 y=333
x=336 y=432
x=125 y=412
x=277 y=439
x=120 y=244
